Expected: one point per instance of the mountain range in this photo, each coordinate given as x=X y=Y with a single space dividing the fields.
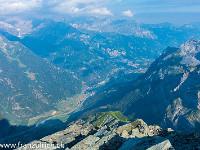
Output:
x=69 y=69
x=95 y=49
x=167 y=94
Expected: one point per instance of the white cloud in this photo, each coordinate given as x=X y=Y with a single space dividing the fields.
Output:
x=128 y=13
x=81 y=7
x=101 y=11
x=18 y=6
x=54 y=6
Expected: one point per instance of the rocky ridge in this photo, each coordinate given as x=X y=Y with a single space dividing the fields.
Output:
x=136 y=135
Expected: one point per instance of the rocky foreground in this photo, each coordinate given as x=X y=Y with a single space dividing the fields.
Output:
x=82 y=135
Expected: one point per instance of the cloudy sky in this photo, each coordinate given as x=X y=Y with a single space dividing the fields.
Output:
x=148 y=11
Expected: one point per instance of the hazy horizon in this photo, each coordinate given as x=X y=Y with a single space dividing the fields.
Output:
x=150 y=12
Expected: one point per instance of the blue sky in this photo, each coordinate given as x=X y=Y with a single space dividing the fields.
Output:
x=157 y=11
x=148 y=11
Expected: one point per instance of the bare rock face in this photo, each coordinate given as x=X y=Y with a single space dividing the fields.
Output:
x=155 y=130
x=81 y=135
x=102 y=139
x=127 y=128
x=138 y=129
x=189 y=51
x=125 y=134
x=66 y=138
x=150 y=143
x=79 y=129
x=141 y=129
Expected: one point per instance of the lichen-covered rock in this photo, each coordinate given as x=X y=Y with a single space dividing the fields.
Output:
x=125 y=134
x=127 y=127
x=155 y=130
x=138 y=128
x=97 y=141
x=141 y=129
x=79 y=128
x=137 y=135
x=169 y=130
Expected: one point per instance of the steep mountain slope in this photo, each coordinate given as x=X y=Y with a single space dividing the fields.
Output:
x=29 y=85
x=167 y=94
x=96 y=50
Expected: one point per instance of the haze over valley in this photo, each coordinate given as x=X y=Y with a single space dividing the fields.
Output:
x=92 y=74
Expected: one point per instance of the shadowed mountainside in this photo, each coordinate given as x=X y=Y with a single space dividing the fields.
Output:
x=29 y=85
x=167 y=94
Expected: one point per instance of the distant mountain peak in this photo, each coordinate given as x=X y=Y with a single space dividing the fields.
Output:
x=190 y=51
x=190 y=47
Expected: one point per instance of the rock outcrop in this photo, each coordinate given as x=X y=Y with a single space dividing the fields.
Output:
x=138 y=129
x=82 y=135
x=150 y=143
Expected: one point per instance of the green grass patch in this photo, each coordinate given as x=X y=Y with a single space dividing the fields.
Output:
x=99 y=119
